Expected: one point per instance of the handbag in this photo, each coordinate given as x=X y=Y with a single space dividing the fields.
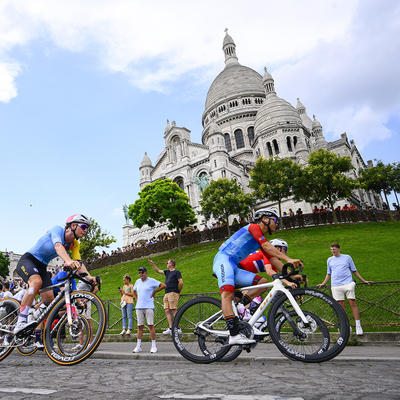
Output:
x=123 y=303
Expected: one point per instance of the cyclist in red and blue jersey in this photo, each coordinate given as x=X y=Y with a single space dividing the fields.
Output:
x=231 y=253
x=32 y=266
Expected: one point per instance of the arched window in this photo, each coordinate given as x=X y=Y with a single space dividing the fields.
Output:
x=250 y=134
x=179 y=182
x=239 y=139
x=294 y=141
x=276 y=148
x=228 y=142
x=269 y=148
x=289 y=143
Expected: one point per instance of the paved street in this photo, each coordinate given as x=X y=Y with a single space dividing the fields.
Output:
x=363 y=373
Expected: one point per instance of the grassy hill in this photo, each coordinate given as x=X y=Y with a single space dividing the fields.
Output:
x=374 y=248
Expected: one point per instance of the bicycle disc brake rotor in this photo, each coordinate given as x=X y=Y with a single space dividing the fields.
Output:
x=75 y=329
x=307 y=329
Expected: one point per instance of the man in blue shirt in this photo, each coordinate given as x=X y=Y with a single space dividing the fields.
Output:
x=144 y=291
x=340 y=269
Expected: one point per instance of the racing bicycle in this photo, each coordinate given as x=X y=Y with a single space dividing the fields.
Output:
x=305 y=324
x=72 y=318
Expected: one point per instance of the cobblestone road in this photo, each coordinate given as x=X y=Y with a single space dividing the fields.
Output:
x=36 y=377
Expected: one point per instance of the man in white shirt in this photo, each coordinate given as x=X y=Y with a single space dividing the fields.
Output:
x=340 y=269
x=144 y=291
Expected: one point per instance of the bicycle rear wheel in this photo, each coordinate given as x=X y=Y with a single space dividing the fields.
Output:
x=325 y=336
x=9 y=311
x=54 y=341
x=194 y=343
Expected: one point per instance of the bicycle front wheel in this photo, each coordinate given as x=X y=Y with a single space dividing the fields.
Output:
x=9 y=311
x=60 y=338
x=194 y=343
x=323 y=338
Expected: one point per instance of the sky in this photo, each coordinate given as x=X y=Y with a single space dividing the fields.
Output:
x=86 y=88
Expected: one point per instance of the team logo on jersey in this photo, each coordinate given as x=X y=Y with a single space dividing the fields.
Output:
x=24 y=270
x=262 y=238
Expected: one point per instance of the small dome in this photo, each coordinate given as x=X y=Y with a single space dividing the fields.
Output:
x=275 y=111
x=267 y=76
x=146 y=162
x=300 y=105
x=227 y=39
x=316 y=124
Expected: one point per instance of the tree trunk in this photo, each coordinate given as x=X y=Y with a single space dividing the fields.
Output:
x=178 y=235
x=387 y=203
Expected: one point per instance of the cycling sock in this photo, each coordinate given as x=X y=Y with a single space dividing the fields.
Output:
x=38 y=335
x=23 y=314
x=231 y=323
x=246 y=300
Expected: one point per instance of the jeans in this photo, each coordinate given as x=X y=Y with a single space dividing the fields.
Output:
x=127 y=312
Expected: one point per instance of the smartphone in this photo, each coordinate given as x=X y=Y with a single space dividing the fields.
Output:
x=149 y=259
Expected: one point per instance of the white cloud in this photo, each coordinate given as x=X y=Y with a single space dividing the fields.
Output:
x=8 y=89
x=352 y=83
x=156 y=42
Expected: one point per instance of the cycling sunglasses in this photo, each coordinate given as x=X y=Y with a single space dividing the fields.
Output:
x=84 y=227
x=276 y=220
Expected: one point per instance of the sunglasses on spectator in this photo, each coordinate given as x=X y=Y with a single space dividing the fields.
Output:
x=84 y=227
x=141 y=272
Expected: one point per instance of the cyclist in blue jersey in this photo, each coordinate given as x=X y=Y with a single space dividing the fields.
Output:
x=245 y=241
x=32 y=266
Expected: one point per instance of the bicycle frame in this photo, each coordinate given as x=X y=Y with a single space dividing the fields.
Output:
x=277 y=286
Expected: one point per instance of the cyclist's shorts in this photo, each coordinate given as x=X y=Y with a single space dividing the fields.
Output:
x=28 y=265
x=230 y=275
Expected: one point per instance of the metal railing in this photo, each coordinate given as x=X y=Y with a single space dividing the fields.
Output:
x=378 y=303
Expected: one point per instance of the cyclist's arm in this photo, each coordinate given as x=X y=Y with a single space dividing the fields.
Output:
x=278 y=265
x=268 y=248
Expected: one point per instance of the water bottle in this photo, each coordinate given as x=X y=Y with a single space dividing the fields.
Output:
x=40 y=310
x=261 y=321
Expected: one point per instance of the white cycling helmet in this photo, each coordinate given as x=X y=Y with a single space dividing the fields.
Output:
x=258 y=215
x=78 y=219
x=278 y=242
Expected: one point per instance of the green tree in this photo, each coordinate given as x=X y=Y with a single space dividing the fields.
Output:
x=379 y=178
x=324 y=181
x=223 y=198
x=163 y=201
x=94 y=237
x=4 y=263
x=272 y=179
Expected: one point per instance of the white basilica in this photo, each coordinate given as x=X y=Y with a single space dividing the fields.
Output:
x=243 y=119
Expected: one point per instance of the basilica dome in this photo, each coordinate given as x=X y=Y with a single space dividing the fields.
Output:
x=234 y=81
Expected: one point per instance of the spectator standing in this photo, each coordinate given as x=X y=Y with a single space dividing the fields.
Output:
x=340 y=268
x=127 y=309
x=144 y=291
x=174 y=285
x=395 y=206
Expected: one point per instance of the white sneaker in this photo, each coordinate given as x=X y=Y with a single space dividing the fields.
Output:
x=168 y=332
x=123 y=332
x=128 y=332
x=6 y=343
x=179 y=330
x=153 y=349
x=240 y=339
x=77 y=347
x=258 y=332
x=359 y=330
x=137 y=349
x=39 y=345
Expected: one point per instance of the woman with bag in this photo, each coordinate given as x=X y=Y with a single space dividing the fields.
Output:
x=127 y=304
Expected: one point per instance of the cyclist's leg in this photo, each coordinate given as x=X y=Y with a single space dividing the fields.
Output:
x=225 y=269
x=247 y=278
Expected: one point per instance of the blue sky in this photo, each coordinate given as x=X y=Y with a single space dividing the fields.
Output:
x=86 y=88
